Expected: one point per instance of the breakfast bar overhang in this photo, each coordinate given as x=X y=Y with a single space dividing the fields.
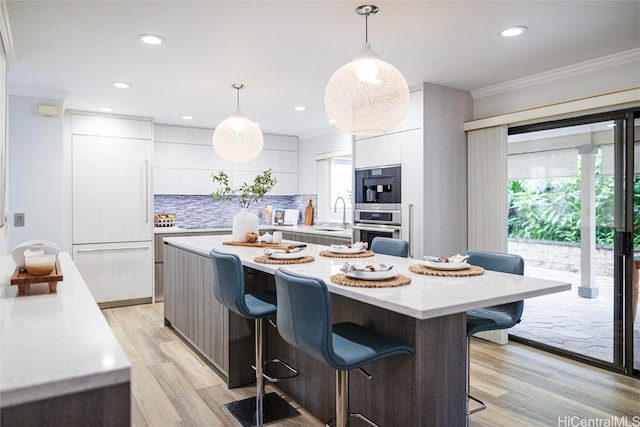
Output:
x=426 y=389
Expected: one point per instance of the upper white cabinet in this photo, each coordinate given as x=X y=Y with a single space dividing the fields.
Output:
x=110 y=126
x=384 y=150
x=378 y=151
x=185 y=160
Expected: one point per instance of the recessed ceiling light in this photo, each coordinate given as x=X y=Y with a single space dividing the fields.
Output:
x=514 y=31
x=122 y=85
x=151 y=39
x=187 y=117
x=332 y=121
x=300 y=108
x=106 y=109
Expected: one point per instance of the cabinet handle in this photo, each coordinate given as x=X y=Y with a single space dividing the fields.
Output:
x=119 y=248
x=410 y=231
x=146 y=191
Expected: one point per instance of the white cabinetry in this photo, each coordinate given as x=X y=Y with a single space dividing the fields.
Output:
x=431 y=146
x=377 y=151
x=112 y=206
x=116 y=271
x=413 y=190
x=185 y=159
x=111 y=189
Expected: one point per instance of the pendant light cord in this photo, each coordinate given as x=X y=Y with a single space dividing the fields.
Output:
x=366 y=28
x=237 y=87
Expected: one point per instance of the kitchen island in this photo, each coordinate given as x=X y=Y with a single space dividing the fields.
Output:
x=61 y=364
x=426 y=389
x=324 y=234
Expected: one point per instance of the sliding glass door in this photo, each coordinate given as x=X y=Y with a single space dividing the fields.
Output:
x=572 y=191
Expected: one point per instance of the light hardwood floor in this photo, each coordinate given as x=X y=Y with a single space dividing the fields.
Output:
x=171 y=386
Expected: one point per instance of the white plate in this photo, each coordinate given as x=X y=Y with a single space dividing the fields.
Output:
x=287 y=255
x=346 y=250
x=446 y=265
x=372 y=275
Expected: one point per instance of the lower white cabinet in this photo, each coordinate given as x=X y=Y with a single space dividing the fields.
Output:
x=116 y=271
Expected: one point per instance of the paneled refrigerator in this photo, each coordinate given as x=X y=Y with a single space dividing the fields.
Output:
x=112 y=207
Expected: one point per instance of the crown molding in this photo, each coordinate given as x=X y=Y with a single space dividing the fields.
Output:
x=5 y=34
x=609 y=61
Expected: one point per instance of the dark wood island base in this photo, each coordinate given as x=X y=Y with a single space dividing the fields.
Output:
x=426 y=389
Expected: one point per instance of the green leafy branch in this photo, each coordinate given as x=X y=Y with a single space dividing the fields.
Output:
x=246 y=193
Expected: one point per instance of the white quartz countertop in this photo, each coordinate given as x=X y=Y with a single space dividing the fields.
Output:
x=426 y=296
x=54 y=344
x=335 y=231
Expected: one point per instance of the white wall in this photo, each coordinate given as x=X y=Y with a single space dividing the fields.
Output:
x=36 y=171
x=597 y=77
x=307 y=151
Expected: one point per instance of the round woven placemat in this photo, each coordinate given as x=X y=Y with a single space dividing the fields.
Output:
x=365 y=254
x=399 y=280
x=266 y=260
x=473 y=270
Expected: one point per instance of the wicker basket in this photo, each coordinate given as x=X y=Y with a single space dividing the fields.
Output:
x=164 y=222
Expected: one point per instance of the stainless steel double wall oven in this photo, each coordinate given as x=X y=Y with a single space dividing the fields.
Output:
x=378 y=209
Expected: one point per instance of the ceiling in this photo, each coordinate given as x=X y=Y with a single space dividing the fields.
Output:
x=286 y=51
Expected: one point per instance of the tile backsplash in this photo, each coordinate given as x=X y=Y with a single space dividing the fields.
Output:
x=201 y=211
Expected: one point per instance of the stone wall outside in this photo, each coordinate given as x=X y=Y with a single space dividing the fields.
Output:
x=560 y=256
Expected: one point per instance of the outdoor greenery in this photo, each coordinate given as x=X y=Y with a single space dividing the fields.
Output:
x=549 y=209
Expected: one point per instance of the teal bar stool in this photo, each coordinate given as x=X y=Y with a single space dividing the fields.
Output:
x=496 y=317
x=304 y=321
x=227 y=284
x=389 y=246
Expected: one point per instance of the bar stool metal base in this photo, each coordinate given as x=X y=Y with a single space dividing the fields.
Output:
x=332 y=422
x=275 y=408
x=482 y=406
x=277 y=362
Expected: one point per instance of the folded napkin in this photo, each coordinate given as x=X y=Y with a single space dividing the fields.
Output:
x=348 y=268
x=269 y=251
x=360 y=246
x=453 y=258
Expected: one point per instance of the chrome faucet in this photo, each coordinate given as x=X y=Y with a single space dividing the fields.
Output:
x=344 y=211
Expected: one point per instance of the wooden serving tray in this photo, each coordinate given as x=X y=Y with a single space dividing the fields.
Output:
x=23 y=279
x=266 y=245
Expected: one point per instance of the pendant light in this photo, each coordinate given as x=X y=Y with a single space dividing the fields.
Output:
x=367 y=96
x=237 y=138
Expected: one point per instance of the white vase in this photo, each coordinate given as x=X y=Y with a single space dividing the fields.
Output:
x=244 y=222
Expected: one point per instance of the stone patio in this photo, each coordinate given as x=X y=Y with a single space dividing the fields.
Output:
x=570 y=322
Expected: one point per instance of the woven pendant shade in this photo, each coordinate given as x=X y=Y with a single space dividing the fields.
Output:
x=367 y=96
x=238 y=139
